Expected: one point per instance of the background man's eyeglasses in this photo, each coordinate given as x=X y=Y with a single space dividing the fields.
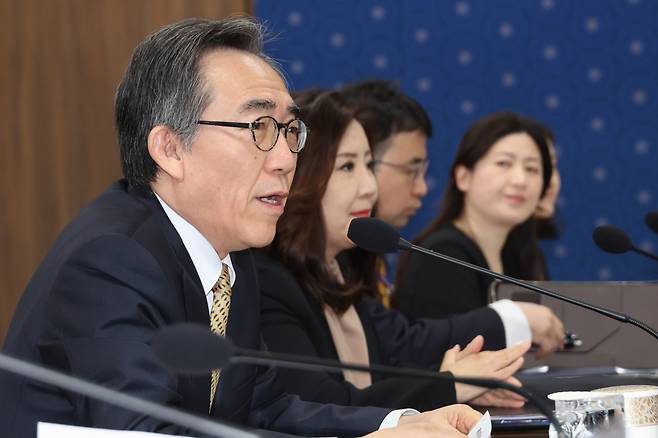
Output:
x=265 y=132
x=414 y=170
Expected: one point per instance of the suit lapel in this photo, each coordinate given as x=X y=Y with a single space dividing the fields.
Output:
x=195 y=390
x=326 y=347
x=372 y=339
x=196 y=306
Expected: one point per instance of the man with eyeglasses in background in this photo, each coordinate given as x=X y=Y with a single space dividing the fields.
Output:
x=209 y=137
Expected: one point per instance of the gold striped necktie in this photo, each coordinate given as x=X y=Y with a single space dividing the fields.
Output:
x=221 y=305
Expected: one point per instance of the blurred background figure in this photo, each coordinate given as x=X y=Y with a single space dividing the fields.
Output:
x=501 y=170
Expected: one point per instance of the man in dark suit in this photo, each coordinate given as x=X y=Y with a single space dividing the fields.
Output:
x=209 y=136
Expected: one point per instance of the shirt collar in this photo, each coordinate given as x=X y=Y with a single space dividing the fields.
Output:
x=206 y=261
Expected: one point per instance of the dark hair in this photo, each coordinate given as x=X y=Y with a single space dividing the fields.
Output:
x=545 y=132
x=164 y=86
x=304 y=98
x=475 y=143
x=547 y=228
x=383 y=111
x=300 y=240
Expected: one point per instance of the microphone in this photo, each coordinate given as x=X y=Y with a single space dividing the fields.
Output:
x=651 y=219
x=614 y=240
x=193 y=349
x=377 y=236
x=80 y=386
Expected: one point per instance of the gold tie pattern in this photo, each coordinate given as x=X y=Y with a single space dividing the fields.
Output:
x=383 y=285
x=221 y=305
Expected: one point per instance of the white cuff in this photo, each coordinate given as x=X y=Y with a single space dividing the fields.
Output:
x=393 y=417
x=517 y=328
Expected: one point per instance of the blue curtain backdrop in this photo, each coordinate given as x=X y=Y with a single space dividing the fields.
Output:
x=587 y=68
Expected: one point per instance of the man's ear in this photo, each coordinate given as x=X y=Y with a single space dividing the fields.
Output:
x=166 y=149
x=462 y=178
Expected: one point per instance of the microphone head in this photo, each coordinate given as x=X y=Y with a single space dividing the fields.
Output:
x=612 y=239
x=375 y=235
x=651 y=219
x=191 y=348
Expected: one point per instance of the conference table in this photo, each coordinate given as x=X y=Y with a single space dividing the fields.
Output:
x=584 y=379
x=517 y=431
x=521 y=434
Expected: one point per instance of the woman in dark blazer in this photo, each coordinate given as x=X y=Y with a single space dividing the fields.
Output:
x=319 y=293
x=501 y=170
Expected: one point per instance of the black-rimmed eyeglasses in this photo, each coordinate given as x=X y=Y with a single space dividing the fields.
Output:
x=265 y=132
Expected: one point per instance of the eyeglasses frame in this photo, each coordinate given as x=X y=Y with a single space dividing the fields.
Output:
x=420 y=167
x=251 y=126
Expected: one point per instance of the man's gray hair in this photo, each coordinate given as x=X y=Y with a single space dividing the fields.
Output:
x=163 y=85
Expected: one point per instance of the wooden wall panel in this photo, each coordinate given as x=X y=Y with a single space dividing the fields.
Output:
x=61 y=63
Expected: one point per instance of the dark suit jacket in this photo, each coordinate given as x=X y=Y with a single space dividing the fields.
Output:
x=293 y=322
x=116 y=275
x=433 y=288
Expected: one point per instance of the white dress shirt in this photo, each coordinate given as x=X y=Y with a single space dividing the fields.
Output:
x=204 y=257
x=515 y=323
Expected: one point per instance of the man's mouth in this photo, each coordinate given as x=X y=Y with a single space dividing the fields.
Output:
x=275 y=199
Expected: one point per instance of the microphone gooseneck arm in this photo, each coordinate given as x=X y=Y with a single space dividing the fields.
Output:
x=304 y=363
x=127 y=401
x=526 y=285
x=644 y=253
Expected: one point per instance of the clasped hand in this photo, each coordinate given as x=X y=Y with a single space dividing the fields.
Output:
x=499 y=365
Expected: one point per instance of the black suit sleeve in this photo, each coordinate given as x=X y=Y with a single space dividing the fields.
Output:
x=290 y=325
x=433 y=288
x=422 y=342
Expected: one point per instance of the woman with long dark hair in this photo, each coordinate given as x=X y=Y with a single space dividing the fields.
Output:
x=319 y=292
x=501 y=170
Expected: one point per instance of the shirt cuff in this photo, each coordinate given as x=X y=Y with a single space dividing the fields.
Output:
x=393 y=417
x=515 y=323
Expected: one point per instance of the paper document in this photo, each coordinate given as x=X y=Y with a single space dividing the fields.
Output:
x=51 y=430
x=482 y=428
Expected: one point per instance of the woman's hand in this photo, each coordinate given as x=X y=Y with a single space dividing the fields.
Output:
x=498 y=365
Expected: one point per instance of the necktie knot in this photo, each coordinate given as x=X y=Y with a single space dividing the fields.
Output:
x=223 y=283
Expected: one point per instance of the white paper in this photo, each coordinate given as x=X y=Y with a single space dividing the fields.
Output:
x=52 y=430
x=482 y=428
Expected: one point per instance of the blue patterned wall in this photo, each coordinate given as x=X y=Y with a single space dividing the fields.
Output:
x=587 y=68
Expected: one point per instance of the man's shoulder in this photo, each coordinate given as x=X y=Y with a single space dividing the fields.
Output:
x=118 y=210
x=117 y=216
